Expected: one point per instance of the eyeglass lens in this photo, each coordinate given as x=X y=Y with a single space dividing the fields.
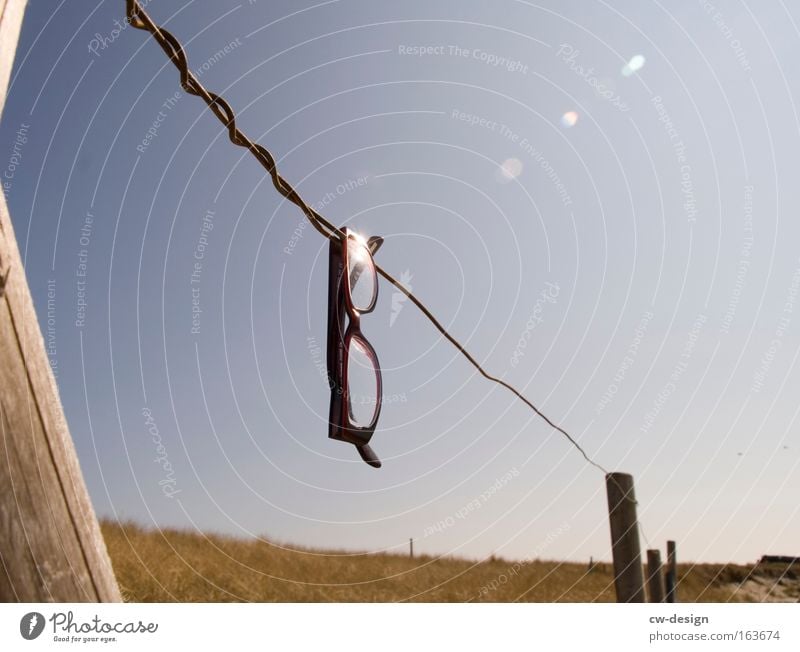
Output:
x=362 y=383
x=363 y=279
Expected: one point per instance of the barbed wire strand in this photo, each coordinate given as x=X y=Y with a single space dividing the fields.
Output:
x=139 y=19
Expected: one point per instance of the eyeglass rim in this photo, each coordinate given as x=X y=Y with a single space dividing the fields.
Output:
x=341 y=426
x=353 y=332
x=348 y=295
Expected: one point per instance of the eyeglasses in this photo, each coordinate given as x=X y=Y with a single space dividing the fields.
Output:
x=354 y=373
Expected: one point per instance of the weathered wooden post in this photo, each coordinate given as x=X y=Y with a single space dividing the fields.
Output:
x=655 y=582
x=411 y=548
x=672 y=573
x=51 y=548
x=628 y=577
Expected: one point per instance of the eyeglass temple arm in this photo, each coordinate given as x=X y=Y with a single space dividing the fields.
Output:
x=374 y=243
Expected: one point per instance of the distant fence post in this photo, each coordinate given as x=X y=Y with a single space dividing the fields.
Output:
x=628 y=577
x=655 y=582
x=411 y=548
x=672 y=573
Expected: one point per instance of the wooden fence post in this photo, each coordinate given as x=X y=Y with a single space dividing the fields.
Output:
x=628 y=577
x=655 y=582
x=672 y=573
x=51 y=547
x=411 y=548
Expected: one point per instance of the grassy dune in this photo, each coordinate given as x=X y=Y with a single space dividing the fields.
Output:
x=170 y=565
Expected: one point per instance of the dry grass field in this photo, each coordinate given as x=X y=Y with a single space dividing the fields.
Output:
x=171 y=565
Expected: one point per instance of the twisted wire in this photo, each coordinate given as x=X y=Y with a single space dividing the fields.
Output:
x=138 y=18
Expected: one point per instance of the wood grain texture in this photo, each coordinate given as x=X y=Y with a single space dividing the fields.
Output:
x=11 y=12
x=625 y=548
x=671 y=577
x=655 y=579
x=51 y=548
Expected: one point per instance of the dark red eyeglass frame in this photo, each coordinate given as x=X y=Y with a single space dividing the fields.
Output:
x=340 y=304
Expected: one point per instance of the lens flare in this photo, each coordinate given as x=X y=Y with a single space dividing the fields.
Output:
x=360 y=239
x=569 y=119
x=509 y=170
x=634 y=65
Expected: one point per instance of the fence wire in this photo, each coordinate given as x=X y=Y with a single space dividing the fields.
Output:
x=138 y=18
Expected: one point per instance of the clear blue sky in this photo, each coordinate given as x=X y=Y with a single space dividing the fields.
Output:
x=618 y=240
